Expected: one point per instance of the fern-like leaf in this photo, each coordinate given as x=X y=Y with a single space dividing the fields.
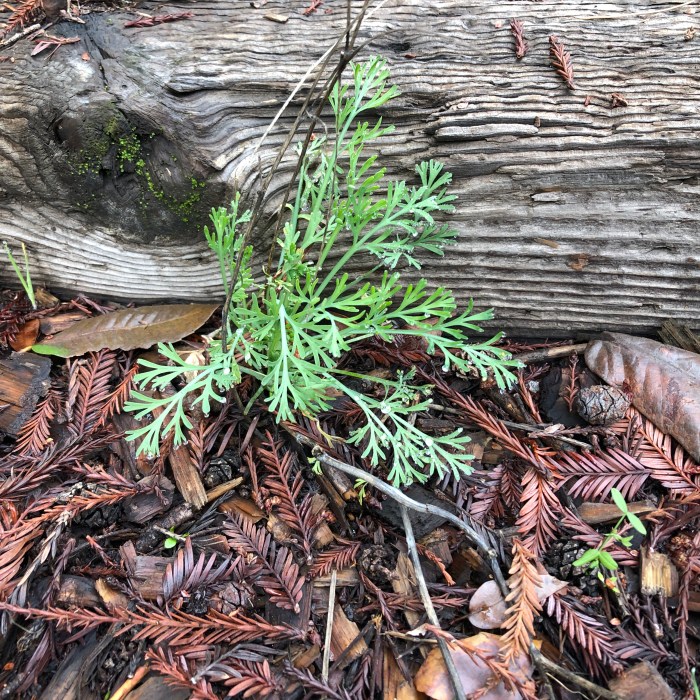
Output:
x=561 y=60
x=334 y=558
x=540 y=511
x=287 y=489
x=524 y=604
x=255 y=680
x=35 y=434
x=667 y=462
x=89 y=390
x=185 y=574
x=589 y=637
x=273 y=568
x=591 y=476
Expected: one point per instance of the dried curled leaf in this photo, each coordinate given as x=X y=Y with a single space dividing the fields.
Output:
x=479 y=668
x=663 y=382
x=128 y=329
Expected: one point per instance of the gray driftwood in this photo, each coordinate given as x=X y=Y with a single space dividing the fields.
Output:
x=573 y=214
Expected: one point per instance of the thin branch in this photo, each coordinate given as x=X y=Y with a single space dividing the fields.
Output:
x=561 y=672
x=402 y=499
x=329 y=627
x=554 y=353
x=428 y=605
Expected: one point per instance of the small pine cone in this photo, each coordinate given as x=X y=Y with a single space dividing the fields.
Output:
x=602 y=404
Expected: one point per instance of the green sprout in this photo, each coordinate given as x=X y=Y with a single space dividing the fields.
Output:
x=600 y=561
x=24 y=277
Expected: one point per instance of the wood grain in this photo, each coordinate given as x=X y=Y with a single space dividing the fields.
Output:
x=572 y=216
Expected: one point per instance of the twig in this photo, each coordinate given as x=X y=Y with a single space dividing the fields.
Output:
x=20 y=35
x=537 y=428
x=221 y=489
x=561 y=672
x=428 y=604
x=130 y=683
x=402 y=499
x=550 y=353
x=329 y=627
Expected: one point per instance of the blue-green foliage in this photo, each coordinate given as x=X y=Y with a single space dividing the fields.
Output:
x=289 y=330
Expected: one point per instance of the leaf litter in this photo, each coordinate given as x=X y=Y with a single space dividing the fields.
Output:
x=232 y=598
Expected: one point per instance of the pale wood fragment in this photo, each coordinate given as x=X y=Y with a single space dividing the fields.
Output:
x=345 y=637
x=659 y=575
x=187 y=476
x=404 y=583
x=395 y=686
x=641 y=682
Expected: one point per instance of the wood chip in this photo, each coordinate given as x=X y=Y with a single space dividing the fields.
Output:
x=24 y=379
x=323 y=535
x=596 y=513
x=77 y=592
x=144 y=506
x=404 y=583
x=438 y=542
x=641 y=682
x=244 y=507
x=395 y=686
x=145 y=572
x=345 y=633
x=275 y=17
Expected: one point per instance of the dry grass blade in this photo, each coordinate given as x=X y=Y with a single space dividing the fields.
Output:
x=273 y=568
x=561 y=60
x=540 y=512
x=520 y=616
x=287 y=490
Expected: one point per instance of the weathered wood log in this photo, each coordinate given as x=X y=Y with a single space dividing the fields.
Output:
x=573 y=213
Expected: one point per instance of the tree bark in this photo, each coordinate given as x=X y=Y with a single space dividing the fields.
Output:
x=574 y=215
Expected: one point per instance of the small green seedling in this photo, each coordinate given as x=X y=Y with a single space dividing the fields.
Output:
x=600 y=561
x=171 y=542
x=361 y=488
x=24 y=278
x=693 y=680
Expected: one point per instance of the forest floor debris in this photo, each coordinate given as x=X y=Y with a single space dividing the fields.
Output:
x=291 y=571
